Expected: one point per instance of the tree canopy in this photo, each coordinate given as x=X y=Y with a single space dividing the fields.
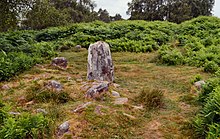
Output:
x=171 y=10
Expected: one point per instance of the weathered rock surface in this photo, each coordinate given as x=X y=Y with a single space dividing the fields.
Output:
x=63 y=128
x=60 y=62
x=199 y=85
x=78 y=47
x=81 y=107
x=100 y=65
x=115 y=94
x=121 y=101
x=96 y=91
x=54 y=85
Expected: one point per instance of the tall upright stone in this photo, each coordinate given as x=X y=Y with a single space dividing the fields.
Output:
x=100 y=65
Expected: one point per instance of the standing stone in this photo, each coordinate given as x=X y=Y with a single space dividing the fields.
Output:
x=100 y=65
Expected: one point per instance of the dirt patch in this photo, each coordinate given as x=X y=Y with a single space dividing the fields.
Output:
x=153 y=130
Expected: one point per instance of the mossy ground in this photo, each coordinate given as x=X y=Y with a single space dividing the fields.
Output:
x=133 y=72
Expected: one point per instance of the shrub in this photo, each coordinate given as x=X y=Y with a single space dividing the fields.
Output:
x=196 y=78
x=151 y=98
x=26 y=126
x=42 y=94
x=209 y=116
x=211 y=67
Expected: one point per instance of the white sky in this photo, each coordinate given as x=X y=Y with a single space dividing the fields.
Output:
x=120 y=6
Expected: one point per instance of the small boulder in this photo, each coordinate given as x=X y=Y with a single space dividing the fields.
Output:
x=78 y=47
x=60 y=62
x=120 y=101
x=199 y=85
x=115 y=94
x=63 y=128
x=96 y=91
x=54 y=85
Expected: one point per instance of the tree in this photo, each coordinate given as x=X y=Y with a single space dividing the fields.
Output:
x=104 y=15
x=11 y=12
x=116 y=17
x=171 y=10
x=43 y=14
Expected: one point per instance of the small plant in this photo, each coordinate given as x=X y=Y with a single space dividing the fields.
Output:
x=151 y=98
x=26 y=126
x=196 y=78
x=42 y=94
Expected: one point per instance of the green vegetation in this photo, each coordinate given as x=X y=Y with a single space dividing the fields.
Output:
x=23 y=125
x=192 y=43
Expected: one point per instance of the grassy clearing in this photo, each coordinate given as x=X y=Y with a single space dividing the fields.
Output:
x=134 y=72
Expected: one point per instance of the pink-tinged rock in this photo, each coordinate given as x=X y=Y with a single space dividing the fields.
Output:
x=5 y=87
x=121 y=101
x=100 y=66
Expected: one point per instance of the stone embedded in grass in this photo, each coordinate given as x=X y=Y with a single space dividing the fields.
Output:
x=15 y=113
x=81 y=107
x=54 y=85
x=43 y=111
x=115 y=94
x=199 y=85
x=96 y=91
x=121 y=101
x=60 y=62
x=78 y=47
x=100 y=66
x=63 y=128
x=5 y=87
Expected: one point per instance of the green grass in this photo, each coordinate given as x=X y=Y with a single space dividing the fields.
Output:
x=133 y=72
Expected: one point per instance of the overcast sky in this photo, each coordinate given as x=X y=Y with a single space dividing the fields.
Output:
x=120 y=6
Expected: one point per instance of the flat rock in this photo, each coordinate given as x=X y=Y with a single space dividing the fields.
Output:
x=96 y=91
x=15 y=113
x=121 y=101
x=115 y=94
x=81 y=107
x=5 y=87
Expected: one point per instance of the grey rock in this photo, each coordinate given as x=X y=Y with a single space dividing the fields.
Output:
x=63 y=128
x=121 y=101
x=78 y=47
x=15 y=113
x=81 y=107
x=60 y=62
x=55 y=85
x=43 y=111
x=115 y=94
x=100 y=66
x=96 y=91
x=199 y=85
